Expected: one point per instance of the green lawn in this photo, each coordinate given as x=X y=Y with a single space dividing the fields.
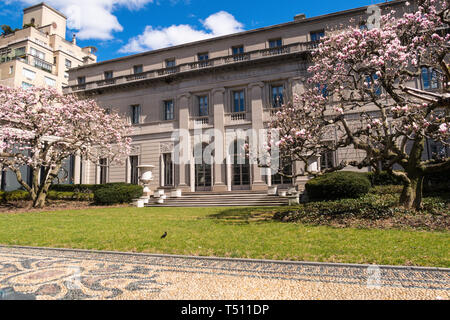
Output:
x=221 y=232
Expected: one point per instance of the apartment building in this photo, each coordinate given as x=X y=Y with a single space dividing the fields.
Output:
x=39 y=55
x=229 y=84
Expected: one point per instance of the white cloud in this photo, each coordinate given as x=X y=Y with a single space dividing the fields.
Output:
x=92 y=19
x=218 y=24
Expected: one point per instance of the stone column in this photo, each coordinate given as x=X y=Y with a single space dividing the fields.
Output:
x=77 y=170
x=185 y=145
x=256 y=95
x=219 y=140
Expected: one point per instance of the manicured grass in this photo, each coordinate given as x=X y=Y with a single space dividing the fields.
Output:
x=221 y=232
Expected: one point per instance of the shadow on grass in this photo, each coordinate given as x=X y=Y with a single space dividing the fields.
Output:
x=245 y=215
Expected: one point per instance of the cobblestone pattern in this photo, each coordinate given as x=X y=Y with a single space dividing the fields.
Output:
x=67 y=274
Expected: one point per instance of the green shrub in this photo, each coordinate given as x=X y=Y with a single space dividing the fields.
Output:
x=386 y=190
x=83 y=188
x=70 y=196
x=18 y=195
x=383 y=178
x=338 y=185
x=118 y=193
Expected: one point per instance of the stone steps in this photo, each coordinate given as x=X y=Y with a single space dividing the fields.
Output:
x=221 y=200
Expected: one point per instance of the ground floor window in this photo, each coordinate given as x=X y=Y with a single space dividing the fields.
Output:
x=168 y=170
x=103 y=163
x=134 y=171
x=327 y=160
x=241 y=166
x=280 y=179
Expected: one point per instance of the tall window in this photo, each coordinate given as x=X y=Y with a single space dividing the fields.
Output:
x=138 y=69
x=135 y=114
x=68 y=64
x=238 y=53
x=103 y=163
x=317 y=35
x=203 y=106
x=239 y=101
x=327 y=160
x=429 y=79
x=277 y=96
x=203 y=59
x=168 y=169
x=168 y=110
x=286 y=169
x=134 y=171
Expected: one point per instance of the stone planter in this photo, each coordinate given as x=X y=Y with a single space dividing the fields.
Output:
x=294 y=199
x=140 y=203
x=175 y=193
x=272 y=191
x=292 y=191
x=160 y=201
x=282 y=193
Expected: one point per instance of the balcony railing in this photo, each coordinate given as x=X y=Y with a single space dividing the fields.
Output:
x=32 y=61
x=206 y=64
x=238 y=116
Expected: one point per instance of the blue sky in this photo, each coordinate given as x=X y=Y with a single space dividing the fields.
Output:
x=121 y=27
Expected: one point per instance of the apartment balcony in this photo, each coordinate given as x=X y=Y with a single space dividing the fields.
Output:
x=237 y=118
x=257 y=55
x=32 y=61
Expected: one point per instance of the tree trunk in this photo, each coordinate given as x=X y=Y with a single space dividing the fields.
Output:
x=39 y=201
x=412 y=193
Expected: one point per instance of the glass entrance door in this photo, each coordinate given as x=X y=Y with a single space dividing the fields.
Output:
x=203 y=177
x=240 y=169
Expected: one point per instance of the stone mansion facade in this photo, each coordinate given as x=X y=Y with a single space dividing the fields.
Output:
x=230 y=83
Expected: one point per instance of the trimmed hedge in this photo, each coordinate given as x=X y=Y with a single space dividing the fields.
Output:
x=21 y=195
x=18 y=195
x=117 y=194
x=84 y=188
x=338 y=185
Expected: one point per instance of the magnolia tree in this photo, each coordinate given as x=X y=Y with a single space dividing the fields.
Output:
x=40 y=128
x=362 y=90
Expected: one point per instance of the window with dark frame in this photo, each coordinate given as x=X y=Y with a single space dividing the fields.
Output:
x=135 y=114
x=81 y=80
x=169 y=110
x=430 y=79
x=109 y=75
x=138 y=69
x=103 y=163
x=238 y=53
x=170 y=63
x=203 y=58
x=168 y=170
x=134 y=170
x=275 y=43
x=277 y=96
x=203 y=106
x=238 y=101
x=317 y=35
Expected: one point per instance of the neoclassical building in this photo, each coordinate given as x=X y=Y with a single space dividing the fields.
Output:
x=229 y=84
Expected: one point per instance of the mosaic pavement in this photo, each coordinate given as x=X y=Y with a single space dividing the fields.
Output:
x=71 y=274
